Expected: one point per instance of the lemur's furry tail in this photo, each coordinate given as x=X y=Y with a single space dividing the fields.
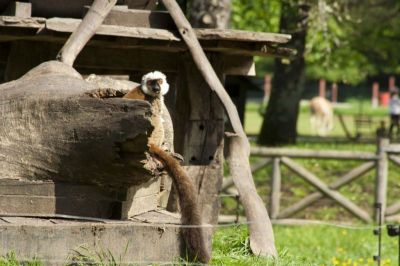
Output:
x=190 y=209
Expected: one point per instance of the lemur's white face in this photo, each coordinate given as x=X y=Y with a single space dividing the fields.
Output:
x=155 y=84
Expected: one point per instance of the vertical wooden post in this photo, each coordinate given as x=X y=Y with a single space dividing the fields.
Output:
x=275 y=188
x=381 y=177
x=334 y=92
x=199 y=134
x=322 y=88
x=375 y=94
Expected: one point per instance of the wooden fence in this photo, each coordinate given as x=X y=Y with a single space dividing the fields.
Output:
x=378 y=161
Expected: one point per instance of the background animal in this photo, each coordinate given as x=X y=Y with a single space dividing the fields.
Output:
x=321 y=118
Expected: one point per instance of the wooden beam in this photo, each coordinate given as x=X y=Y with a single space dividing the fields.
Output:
x=323 y=188
x=18 y=9
x=239 y=65
x=69 y=25
x=323 y=154
x=381 y=179
x=312 y=198
x=392 y=148
x=85 y=30
x=393 y=209
x=395 y=159
x=276 y=188
x=240 y=35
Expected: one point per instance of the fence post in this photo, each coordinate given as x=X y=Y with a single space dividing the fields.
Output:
x=381 y=177
x=275 y=188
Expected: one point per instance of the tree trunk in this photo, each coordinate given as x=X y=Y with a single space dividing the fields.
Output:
x=209 y=13
x=280 y=119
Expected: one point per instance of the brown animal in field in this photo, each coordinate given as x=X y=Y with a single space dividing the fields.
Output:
x=321 y=118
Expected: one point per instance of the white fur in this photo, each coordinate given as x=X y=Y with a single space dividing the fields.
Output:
x=151 y=76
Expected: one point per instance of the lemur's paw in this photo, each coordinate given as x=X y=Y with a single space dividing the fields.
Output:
x=178 y=157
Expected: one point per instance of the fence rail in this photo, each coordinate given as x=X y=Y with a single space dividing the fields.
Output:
x=378 y=161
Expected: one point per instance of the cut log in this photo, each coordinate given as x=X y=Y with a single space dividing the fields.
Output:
x=51 y=129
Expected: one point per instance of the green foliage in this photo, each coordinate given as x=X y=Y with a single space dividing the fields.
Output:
x=10 y=259
x=346 y=40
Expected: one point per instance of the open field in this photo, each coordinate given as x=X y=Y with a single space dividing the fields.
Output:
x=253 y=119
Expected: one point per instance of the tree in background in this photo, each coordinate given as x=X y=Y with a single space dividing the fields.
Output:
x=346 y=42
x=209 y=13
x=280 y=119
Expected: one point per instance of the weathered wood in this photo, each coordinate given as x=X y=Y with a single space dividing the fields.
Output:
x=276 y=188
x=25 y=198
x=261 y=235
x=239 y=35
x=205 y=68
x=391 y=148
x=199 y=136
x=312 y=198
x=52 y=130
x=323 y=188
x=395 y=159
x=29 y=23
x=139 y=18
x=393 y=218
x=69 y=25
x=321 y=154
x=393 y=209
x=86 y=29
x=141 y=4
x=19 y=9
x=59 y=8
x=381 y=180
x=56 y=241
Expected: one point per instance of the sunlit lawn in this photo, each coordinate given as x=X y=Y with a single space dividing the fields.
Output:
x=253 y=119
x=307 y=245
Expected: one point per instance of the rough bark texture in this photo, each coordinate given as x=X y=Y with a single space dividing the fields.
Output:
x=209 y=13
x=260 y=228
x=86 y=29
x=280 y=119
x=51 y=129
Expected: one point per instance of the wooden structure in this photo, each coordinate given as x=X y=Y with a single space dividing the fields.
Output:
x=111 y=157
x=378 y=161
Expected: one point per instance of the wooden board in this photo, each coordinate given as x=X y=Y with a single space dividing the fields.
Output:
x=230 y=42
x=30 y=198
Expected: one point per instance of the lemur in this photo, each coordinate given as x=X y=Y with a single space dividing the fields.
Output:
x=153 y=87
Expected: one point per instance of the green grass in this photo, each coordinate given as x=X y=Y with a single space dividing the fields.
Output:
x=253 y=119
x=297 y=245
x=306 y=245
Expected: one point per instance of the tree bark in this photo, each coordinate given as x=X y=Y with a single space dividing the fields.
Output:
x=280 y=119
x=209 y=13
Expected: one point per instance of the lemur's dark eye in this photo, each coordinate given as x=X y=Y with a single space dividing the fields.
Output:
x=160 y=81
x=148 y=82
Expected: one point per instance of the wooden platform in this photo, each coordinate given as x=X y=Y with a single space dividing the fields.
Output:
x=56 y=241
